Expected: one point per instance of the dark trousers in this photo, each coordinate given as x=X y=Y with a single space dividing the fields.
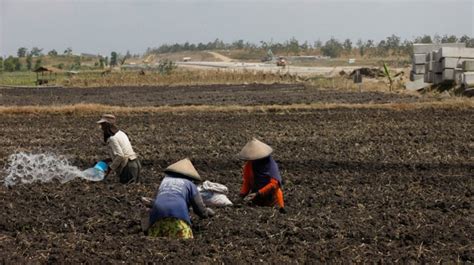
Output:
x=131 y=172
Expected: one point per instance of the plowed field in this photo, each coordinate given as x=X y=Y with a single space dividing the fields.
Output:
x=360 y=185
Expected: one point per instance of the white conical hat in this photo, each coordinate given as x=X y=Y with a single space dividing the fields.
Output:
x=184 y=167
x=255 y=150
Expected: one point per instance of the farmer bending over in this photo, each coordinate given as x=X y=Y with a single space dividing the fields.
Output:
x=261 y=177
x=123 y=159
x=169 y=216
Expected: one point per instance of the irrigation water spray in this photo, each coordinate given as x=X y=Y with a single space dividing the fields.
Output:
x=28 y=168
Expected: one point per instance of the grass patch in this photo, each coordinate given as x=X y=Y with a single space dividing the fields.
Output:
x=18 y=78
x=177 y=77
x=455 y=103
x=192 y=77
x=151 y=78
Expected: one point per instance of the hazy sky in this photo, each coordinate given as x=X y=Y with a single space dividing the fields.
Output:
x=101 y=26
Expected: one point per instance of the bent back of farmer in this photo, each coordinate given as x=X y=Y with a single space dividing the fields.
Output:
x=124 y=161
x=169 y=216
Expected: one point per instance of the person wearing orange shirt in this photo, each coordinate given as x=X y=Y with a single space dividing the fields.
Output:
x=262 y=183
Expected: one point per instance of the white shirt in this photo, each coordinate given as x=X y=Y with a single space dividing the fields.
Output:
x=121 y=151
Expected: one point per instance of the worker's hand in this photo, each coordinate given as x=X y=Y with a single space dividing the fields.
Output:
x=145 y=222
x=210 y=212
x=250 y=197
x=147 y=202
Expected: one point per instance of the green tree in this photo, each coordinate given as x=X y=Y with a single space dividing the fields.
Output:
x=436 y=39
x=238 y=44
x=29 y=62
x=318 y=44
x=9 y=64
x=68 y=51
x=382 y=48
x=370 y=44
x=449 y=39
x=35 y=51
x=53 y=52
x=361 y=46
x=407 y=47
x=1 y=64
x=424 y=39
x=332 y=48
x=22 y=52
x=466 y=39
x=347 y=45
x=305 y=46
x=38 y=63
x=17 y=63
x=393 y=43
x=12 y=64
x=293 y=46
x=113 y=59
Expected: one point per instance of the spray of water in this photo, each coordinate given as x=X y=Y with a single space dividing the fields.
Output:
x=28 y=168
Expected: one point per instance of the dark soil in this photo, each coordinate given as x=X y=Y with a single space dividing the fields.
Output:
x=192 y=95
x=360 y=186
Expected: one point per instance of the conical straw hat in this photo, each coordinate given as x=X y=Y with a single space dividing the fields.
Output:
x=184 y=167
x=255 y=150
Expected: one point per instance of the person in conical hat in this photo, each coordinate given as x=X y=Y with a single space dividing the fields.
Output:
x=169 y=214
x=262 y=183
x=123 y=160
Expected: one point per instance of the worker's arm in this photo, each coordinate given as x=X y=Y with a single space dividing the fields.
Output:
x=199 y=208
x=247 y=183
x=269 y=188
x=279 y=199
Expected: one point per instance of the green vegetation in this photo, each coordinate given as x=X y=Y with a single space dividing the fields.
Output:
x=332 y=48
x=12 y=64
x=18 y=78
x=133 y=78
x=113 y=59
x=22 y=52
x=165 y=67
x=390 y=46
x=53 y=53
x=387 y=74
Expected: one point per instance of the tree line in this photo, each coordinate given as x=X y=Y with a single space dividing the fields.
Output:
x=391 y=45
x=33 y=59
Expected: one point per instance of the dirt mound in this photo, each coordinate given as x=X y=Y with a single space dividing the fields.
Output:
x=368 y=72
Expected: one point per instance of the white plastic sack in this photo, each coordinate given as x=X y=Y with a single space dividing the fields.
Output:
x=213 y=186
x=213 y=194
